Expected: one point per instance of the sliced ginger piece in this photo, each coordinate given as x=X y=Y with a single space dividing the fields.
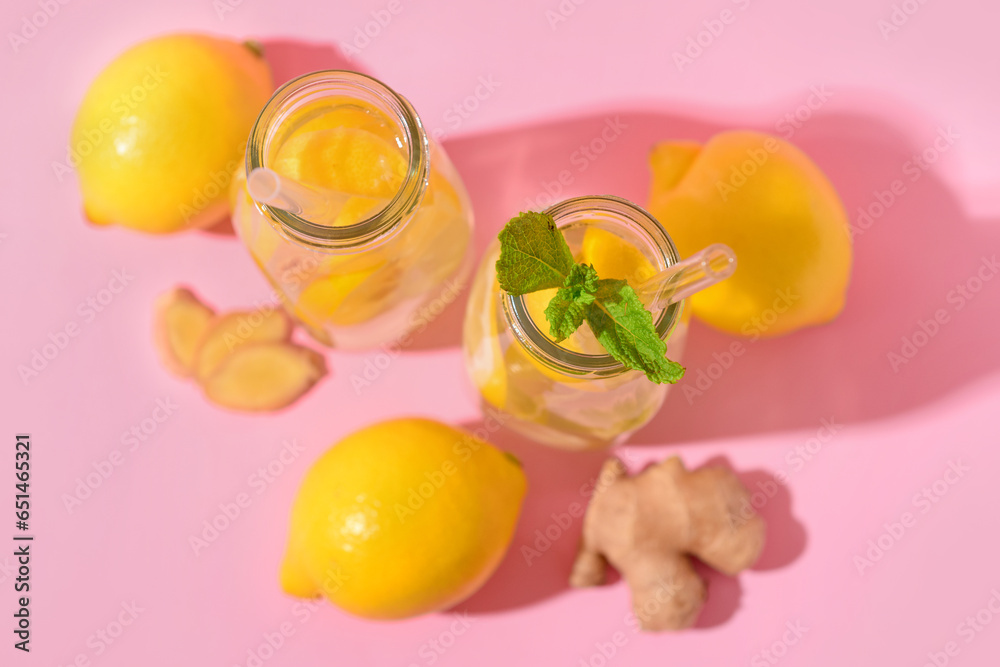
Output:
x=649 y=525
x=179 y=324
x=264 y=376
x=228 y=332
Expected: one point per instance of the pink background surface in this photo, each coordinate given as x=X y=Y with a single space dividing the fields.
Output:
x=898 y=432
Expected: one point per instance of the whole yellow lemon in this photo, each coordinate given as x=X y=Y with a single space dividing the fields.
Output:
x=162 y=129
x=776 y=209
x=402 y=518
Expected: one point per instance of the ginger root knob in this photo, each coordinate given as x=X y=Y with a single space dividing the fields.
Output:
x=647 y=526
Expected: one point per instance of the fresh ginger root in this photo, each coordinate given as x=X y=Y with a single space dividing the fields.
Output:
x=242 y=360
x=647 y=526
x=181 y=321
x=264 y=376
x=231 y=330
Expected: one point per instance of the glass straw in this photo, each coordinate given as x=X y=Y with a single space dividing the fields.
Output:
x=675 y=283
x=269 y=187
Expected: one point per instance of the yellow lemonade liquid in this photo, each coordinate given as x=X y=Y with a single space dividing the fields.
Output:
x=568 y=394
x=352 y=150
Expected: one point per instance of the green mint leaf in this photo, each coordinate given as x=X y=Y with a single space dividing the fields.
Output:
x=568 y=308
x=625 y=328
x=533 y=255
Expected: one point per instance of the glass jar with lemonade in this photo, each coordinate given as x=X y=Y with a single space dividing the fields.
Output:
x=355 y=217
x=571 y=394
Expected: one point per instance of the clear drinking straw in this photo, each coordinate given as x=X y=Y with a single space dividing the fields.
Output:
x=269 y=187
x=675 y=283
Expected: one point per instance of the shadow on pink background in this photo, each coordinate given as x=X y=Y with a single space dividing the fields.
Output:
x=907 y=260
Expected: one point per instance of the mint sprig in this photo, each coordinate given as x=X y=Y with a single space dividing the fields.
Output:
x=625 y=328
x=568 y=308
x=534 y=256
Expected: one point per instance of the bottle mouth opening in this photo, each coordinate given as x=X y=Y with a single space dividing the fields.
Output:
x=610 y=213
x=411 y=136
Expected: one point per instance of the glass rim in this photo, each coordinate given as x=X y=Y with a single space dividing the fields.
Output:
x=385 y=222
x=539 y=344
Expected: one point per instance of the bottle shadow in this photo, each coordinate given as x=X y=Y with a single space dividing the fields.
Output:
x=907 y=337
x=910 y=255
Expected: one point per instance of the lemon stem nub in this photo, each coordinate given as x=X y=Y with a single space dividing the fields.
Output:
x=679 y=281
x=513 y=459
x=254 y=47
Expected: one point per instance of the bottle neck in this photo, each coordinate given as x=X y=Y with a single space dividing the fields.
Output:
x=271 y=129
x=635 y=226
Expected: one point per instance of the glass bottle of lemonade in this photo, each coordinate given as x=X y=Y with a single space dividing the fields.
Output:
x=571 y=394
x=355 y=217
